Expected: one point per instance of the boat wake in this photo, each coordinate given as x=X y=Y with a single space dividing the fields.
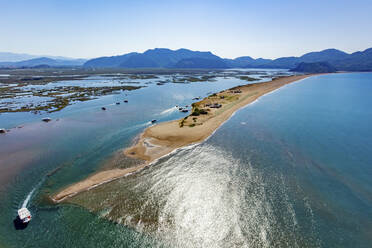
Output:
x=30 y=194
x=169 y=111
x=28 y=198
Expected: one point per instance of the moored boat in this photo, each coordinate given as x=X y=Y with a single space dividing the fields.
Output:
x=46 y=119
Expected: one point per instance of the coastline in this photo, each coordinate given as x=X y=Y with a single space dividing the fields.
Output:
x=164 y=138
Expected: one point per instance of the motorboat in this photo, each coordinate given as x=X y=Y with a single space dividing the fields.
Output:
x=24 y=215
x=46 y=119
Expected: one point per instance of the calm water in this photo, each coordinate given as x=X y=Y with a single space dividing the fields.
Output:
x=290 y=170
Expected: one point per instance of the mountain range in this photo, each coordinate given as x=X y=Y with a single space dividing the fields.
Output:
x=17 y=60
x=183 y=58
x=43 y=61
x=16 y=57
x=332 y=59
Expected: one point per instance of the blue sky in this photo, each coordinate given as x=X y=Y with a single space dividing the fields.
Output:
x=268 y=29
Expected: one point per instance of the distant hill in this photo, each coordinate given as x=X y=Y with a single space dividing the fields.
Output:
x=316 y=67
x=358 y=61
x=14 y=57
x=325 y=55
x=184 y=58
x=216 y=63
x=17 y=57
x=341 y=61
x=44 y=61
x=113 y=61
x=240 y=62
x=153 y=58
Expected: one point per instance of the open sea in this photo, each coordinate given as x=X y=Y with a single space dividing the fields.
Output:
x=293 y=169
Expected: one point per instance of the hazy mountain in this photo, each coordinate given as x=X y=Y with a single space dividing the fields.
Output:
x=325 y=55
x=43 y=61
x=358 y=61
x=240 y=62
x=14 y=57
x=214 y=63
x=153 y=58
x=113 y=61
x=184 y=58
x=341 y=61
x=17 y=57
x=315 y=67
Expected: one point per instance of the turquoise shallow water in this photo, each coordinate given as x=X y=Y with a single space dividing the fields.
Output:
x=290 y=170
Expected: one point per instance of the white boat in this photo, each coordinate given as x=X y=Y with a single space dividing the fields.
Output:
x=24 y=215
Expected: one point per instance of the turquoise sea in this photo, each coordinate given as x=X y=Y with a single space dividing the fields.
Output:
x=292 y=169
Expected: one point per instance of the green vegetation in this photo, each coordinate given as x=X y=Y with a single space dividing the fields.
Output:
x=141 y=76
x=61 y=97
x=191 y=79
x=182 y=122
x=249 y=79
x=196 y=112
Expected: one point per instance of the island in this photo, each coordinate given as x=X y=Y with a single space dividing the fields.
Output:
x=161 y=139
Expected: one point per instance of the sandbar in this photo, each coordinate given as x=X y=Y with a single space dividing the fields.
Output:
x=161 y=139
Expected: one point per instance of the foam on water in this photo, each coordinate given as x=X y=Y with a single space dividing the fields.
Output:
x=28 y=198
x=30 y=194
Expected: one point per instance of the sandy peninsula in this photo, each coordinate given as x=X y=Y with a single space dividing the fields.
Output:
x=161 y=139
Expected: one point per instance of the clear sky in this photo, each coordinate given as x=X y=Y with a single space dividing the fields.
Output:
x=268 y=29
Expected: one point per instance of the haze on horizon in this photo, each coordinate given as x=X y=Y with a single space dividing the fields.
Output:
x=230 y=29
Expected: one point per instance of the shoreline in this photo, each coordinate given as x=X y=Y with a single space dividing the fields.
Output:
x=162 y=139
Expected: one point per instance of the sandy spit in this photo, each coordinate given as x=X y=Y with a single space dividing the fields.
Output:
x=161 y=139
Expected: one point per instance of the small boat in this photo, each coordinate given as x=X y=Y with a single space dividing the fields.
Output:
x=125 y=100
x=184 y=110
x=24 y=215
x=103 y=108
x=153 y=121
x=47 y=119
x=117 y=103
